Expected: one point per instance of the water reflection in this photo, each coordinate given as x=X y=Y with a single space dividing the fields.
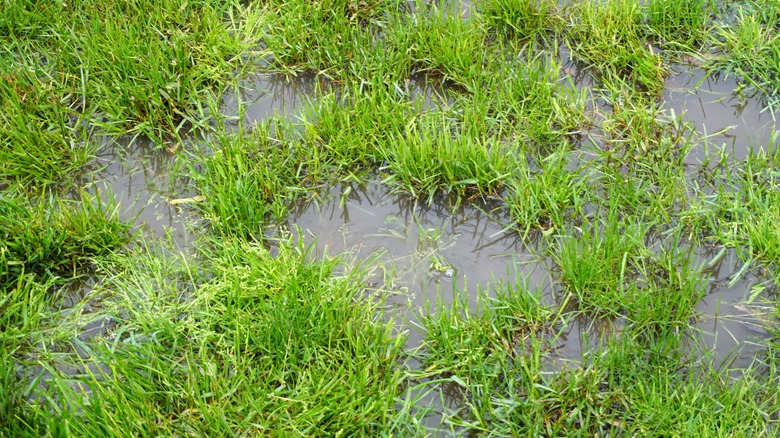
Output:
x=720 y=116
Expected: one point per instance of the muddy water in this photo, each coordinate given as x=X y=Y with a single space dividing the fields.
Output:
x=264 y=96
x=733 y=316
x=136 y=176
x=426 y=253
x=722 y=119
x=139 y=177
x=431 y=251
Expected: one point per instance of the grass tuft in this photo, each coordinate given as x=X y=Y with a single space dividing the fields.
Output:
x=56 y=239
x=608 y=36
x=522 y=19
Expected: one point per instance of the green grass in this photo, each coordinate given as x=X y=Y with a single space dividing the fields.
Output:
x=608 y=36
x=679 y=25
x=444 y=44
x=431 y=155
x=143 y=68
x=746 y=205
x=264 y=344
x=336 y=38
x=43 y=140
x=248 y=181
x=468 y=340
x=496 y=356
x=349 y=128
x=600 y=262
x=642 y=156
x=545 y=194
x=54 y=238
x=522 y=19
x=750 y=49
x=523 y=100
x=249 y=333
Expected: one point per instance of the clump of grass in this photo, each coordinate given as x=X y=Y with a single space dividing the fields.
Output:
x=611 y=272
x=24 y=19
x=431 y=155
x=249 y=180
x=522 y=19
x=622 y=387
x=16 y=416
x=349 y=126
x=487 y=352
x=523 y=99
x=152 y=79
x=25 y=311
x=601 y=262
x=545 y=194
x=609 y=38
x=444 y=44
x=337 y=38
x=637 y=125
x=470 y=342
x=642 y=155
x=126 y=77
x=762 y=235
x=43 y=142
x=670 y=284
x=269 y=343
x=56 y=239
x=491 y=353
x=747 y=205
x=679 y=25
x=750 y=49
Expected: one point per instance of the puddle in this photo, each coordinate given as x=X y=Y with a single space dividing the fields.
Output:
x=425 y=252
x=734 y=312
x=139 y=177
x=431 y=250
x=266 y=95
x=428 y=250
x=738 y=125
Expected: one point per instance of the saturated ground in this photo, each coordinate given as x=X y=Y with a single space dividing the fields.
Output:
x=246 y=334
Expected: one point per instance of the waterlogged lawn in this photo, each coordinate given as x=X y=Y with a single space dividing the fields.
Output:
x=551 y=117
